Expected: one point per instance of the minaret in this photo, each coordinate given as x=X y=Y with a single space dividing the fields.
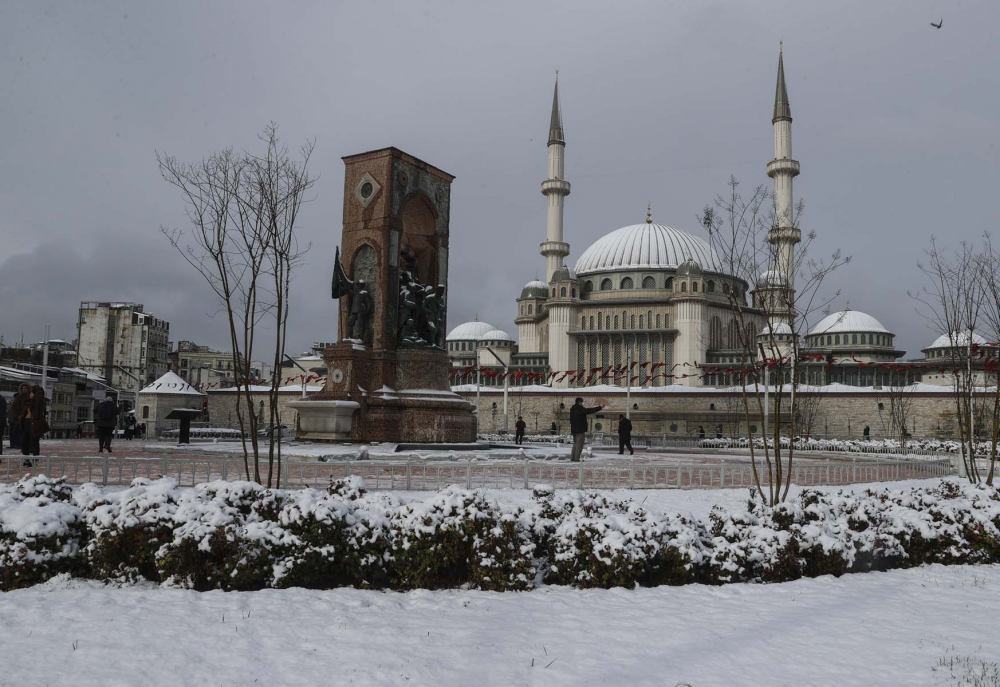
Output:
x=555 y=188
x=783 y=168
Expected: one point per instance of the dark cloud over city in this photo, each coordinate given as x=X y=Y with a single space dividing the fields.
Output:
x=895 y=125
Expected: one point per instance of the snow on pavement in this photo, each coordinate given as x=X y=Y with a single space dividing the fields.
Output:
x=869 y=629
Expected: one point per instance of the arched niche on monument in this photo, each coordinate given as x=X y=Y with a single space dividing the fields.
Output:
x=419 y=244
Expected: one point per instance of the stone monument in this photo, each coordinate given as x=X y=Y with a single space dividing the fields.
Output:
x=387 y=377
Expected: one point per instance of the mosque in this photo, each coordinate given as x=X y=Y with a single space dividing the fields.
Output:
x=659 y=297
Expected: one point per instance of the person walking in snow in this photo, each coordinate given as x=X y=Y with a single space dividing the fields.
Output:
x=519 y=428
x=107 y=420
x=578 y=426
x=3 y=420
x=624 y=435
x=15 y=413
x=34 y=425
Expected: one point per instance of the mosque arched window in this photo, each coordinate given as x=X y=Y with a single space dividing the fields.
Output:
x=710 y=286
x=641 y=322
x=657 y=320
x=694 y=287
x=530 y=307
x=574 y=293
x=836 y=339
x=669 y=285
x=616 y=321
x=588 y=286
x=562 y=292
x=553 y=292
x=592 y=321
x=626 y=283
x=607 y=321
x=583 y=322
x=725 y=288
x=649 y=318
x=605 y=285
x=684 y=287
x=648 y=283
x=632 y=322
x=600 y=321
x=854 y=338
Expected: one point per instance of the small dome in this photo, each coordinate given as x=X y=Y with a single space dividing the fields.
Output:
x=957 y=339
x=771 y=278
x=780 y=329
x=496 y=335
x=470 y=331
x=564 y=273
x=644 y=246
x=848 y=321
x=535 y=289
x=689 y=268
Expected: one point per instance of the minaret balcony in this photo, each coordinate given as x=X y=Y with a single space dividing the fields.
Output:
x=783 y=166
x=554 y=248
x=559 y=186
x=784 y=235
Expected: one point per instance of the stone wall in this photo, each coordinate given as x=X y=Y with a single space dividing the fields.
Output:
x=222 y=406
x=682 y=414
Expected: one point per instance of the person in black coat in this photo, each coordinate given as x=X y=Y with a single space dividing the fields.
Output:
x=15 y=414
x=33 y=424
x=3 y=420
x=106 y=421
x=578 y=426
x=624 y=435
x=519 y=428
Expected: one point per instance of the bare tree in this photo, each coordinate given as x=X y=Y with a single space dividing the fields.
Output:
x=742 y=231
x=242 y=209
x=896 y=423
x=989 y=276
x=952 y=299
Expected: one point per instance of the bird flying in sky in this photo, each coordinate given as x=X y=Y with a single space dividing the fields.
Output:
x=938 y=25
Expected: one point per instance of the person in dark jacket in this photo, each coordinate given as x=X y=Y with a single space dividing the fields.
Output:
x=15 y=414
x=3 y=420
x=33 y=425
x=578 y=426
x=624 y=435
x=519 y=428
x=106 y=421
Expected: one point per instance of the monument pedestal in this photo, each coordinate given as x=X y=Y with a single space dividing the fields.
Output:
x=386 y=396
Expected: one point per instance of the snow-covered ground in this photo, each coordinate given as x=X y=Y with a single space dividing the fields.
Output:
x=891 y=629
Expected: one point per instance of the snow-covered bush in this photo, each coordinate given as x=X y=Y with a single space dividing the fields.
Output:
x=40 y=532
x=242 y=536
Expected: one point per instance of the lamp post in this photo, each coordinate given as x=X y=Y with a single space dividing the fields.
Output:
x=506 y=385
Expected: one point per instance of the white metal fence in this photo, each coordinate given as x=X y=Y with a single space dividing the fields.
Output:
x=473 y=474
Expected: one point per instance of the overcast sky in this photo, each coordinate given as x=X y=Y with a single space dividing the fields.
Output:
x=895 y=124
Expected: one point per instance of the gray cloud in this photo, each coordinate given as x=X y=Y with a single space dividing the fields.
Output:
x=895 y=127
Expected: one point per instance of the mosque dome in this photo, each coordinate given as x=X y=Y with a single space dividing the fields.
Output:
x=644 y=246
x=771 y=278
x=848 y=321
x=778 y=329
x=470 y=331
x=689 y=268
x=497 y=335
x=564 y=274
x=957 y=339
x=535 y=289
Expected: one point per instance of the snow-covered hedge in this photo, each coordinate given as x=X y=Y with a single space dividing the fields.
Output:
x=206 y=433
x=943 y=446
x=242 y=536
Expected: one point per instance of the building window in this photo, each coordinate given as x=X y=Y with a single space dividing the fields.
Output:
x=725 y=288
x=694 y=287
x=605 y=285
x=607 y=321
x=145 y=412
x=710 y=287
x=616 y=321
x=583 y=322
x=657 y=320
x=588 y=286
x=530 y=309
x=669 y=285
x=562 y=292
x=600 y=321
x=684 y=287
x=836 y=339
x=626 y=283
x=591 y=321
x=854 y=338
x=641 y=322
x=574 y=293
x=632 y=322
x=648 y=283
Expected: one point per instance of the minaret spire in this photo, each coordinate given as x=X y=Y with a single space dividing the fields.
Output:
x=782 y=109
x=555 y=188
x=556 y=134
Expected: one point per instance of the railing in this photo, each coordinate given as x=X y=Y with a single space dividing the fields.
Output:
x=682 y=443
x=472 y=474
